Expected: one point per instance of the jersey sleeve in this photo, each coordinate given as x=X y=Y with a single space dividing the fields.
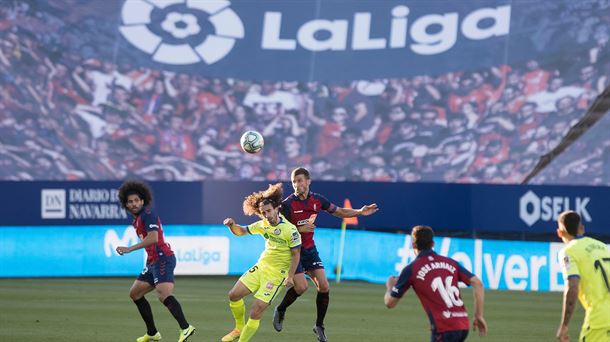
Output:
x=327 y=205
x=294 y=238
x=403 y=283
x=150 y=221
x=569 y=265
x=285 y=209
x=256 y=228
x=464 y=275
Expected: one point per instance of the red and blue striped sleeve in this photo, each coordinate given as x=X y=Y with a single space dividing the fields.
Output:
x=150 y=221
x=403 y=283
x=285 y=208
x=464 y=275
x=327 y=205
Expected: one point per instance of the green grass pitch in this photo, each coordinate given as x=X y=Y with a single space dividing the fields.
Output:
x=99 y=309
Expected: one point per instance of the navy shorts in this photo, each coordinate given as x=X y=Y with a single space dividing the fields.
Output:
x=310 y=260
x=449 y=336
x=160 y=271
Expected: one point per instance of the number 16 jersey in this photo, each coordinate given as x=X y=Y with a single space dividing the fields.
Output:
x=434 y=279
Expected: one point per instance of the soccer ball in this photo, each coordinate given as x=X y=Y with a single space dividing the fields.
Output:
x=252 y=142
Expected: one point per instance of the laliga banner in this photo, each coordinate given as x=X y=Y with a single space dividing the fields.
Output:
x=308 y=40
x=213 y=250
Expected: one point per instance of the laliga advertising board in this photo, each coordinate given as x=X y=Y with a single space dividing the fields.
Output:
x=222 y=38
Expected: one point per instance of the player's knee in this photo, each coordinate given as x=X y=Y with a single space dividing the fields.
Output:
x=323 y=287
x=162 y=296
x=134 y=296
x=300 y=288
x=234 y=296
x=256 y=313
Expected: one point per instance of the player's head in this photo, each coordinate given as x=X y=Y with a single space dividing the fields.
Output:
x=265 y=204
x=422 y=238
x=300 y=181
x=569 y=225
x=134 y=195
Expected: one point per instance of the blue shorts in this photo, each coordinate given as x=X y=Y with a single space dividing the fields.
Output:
x=310 y=260
x=160 y=271
x=449 y=336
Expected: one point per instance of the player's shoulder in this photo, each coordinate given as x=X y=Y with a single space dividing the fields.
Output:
x=431 y=257
x=258 y=223
x=587 y=245
x=148 y=212
x=316 y=195
x=289 y=199
x=591 y=240
x=286 y=224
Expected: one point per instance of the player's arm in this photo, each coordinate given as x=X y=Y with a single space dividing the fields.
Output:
x=349 y=212
x=234 y=227
x=571 y=274
x=295 y=256
x=396 y=287
x=570 y=297
x=388 y=299
x=479 y=302
x=151 y=238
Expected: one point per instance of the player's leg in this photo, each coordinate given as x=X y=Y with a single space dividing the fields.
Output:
x=140 y=287
x=256 y=313
x=318 y=276
x=270 y=285
x=237 y=305
x=300 y=286
x=247 y=283
x=163 y=272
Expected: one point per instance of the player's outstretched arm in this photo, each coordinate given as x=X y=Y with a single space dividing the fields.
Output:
x=479 y=322
x=364 y=211
x=151 y=238
x=234 y=227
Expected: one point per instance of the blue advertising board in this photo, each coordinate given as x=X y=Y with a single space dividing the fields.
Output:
x=464 y=208
x=371 y=256
x=460 y=208
x=93 y=203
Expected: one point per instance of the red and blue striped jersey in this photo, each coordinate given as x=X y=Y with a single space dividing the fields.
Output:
x=145 y=222
x=434 y=279
x=299 y=212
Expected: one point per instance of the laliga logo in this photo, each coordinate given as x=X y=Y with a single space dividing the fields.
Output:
x=533 y=208
x=173 y=37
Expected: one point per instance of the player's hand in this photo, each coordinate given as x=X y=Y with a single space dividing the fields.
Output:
x=289 y=282
x=369 y=209
x=479 y=324
x=391 y=282
x=562 y=334
x=122 y=250
x=306 y=228
x=228 y=222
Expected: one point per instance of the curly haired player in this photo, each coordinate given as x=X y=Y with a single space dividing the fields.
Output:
x=158 y=274
x=275 y=267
